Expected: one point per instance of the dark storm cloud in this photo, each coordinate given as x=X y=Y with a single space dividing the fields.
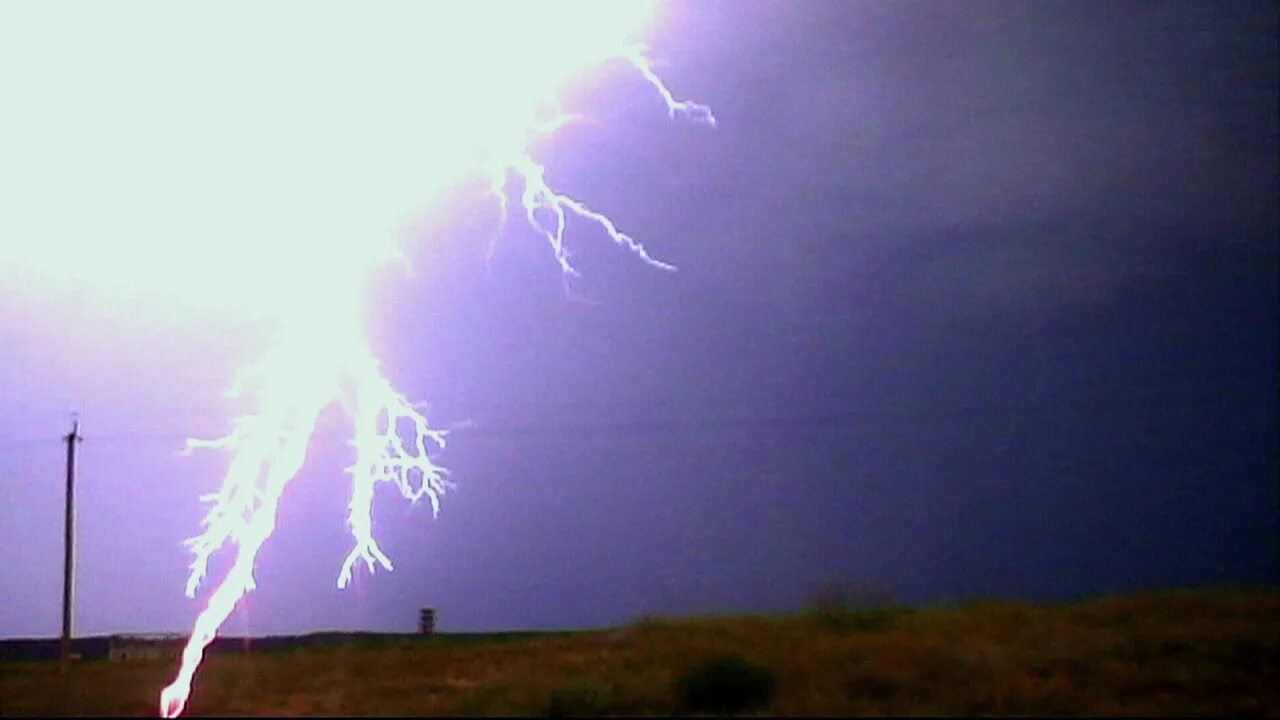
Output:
x=1024 y=142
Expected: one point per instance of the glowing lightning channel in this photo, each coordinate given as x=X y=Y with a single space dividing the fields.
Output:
x=296 y=381
x=538 y=195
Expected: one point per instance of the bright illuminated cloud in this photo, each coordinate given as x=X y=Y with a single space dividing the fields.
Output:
x=246 y=157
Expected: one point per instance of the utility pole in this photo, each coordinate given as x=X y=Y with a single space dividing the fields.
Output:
x=72 y=439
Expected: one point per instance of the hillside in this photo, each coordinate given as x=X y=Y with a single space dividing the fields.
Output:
x=1155 y=653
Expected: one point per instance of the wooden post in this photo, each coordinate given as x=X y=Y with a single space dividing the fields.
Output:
x=72 y=439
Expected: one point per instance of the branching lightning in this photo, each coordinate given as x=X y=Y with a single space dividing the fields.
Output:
x=317 y=355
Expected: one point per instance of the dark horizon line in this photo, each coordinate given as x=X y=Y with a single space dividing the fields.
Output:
x=1065 y=599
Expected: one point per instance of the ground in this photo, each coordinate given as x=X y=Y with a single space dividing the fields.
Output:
x=1179 y=652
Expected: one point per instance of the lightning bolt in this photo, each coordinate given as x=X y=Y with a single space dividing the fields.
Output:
x=301 y=375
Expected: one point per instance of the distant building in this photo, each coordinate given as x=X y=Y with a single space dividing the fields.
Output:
x=427 y=621
x=158 y=646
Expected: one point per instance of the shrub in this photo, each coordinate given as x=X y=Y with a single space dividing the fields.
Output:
x=851 y=606
x=874 y=683
x=725 y=685
x=581 y=698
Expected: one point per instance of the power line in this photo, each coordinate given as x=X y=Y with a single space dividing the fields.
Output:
x=756 y=422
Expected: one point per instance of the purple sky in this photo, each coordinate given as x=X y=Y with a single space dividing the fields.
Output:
x=973 y=299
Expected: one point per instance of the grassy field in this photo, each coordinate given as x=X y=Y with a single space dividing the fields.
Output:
x=1155 y=653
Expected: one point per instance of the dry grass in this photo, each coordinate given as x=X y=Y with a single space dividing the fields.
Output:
x=1157 y=653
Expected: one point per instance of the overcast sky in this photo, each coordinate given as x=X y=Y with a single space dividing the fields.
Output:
x=972 y=299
